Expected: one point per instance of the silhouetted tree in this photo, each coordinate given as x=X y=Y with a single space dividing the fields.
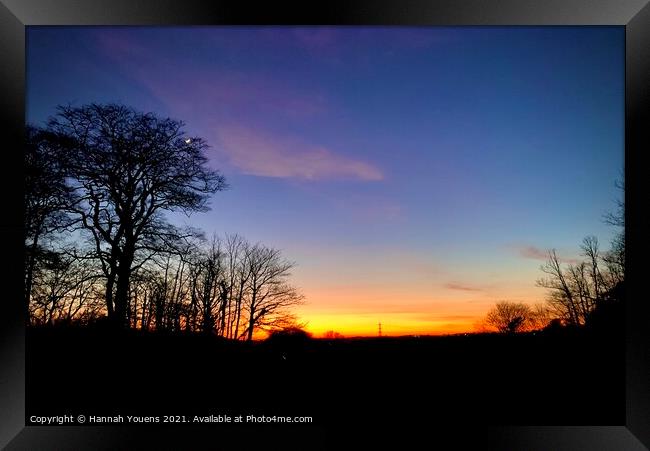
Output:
x=509 y=317
x=209 y=289
x=270 y=297
x=615 y=258
x=125 y=169
x=599 y=281
x=562 y=299
x=540 y=317
x=46 y=197
x=65 y=291
x=238 y=268
x=332 y=335
x=608 y=314
x=579 y=288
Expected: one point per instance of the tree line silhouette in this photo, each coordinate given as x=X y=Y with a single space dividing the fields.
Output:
x=98 y=246
x=579 y=293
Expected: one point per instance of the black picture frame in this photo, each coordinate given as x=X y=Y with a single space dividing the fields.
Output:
x=634 y=15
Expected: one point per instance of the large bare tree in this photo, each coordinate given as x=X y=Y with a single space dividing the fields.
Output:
x=126 y=168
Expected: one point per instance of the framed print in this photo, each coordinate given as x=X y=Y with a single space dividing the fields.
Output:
x=242 y=224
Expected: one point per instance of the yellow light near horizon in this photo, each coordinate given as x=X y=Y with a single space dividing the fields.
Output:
x=392 y=325
x=356 y=310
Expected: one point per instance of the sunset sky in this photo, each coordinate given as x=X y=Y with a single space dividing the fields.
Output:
x=415 y=175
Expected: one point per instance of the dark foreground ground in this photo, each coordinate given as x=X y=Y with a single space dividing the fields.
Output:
x=565 y=377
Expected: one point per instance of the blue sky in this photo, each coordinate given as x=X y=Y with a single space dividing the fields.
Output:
x=408 y=171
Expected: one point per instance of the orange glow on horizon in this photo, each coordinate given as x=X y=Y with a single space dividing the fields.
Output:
x=417 y=317
x=420 y=298
x=391 y=325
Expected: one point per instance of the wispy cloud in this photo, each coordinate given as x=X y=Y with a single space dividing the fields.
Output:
x=181 y=83
x=535 y=253
x=532 y=252
x=268 y=155
x=230 y=106
x=461 y=287
x=444 y=317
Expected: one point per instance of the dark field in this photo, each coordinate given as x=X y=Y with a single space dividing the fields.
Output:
x=573 y=377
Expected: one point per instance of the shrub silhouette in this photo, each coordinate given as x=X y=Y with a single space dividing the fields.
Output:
x=289 y=334
x=290 y=339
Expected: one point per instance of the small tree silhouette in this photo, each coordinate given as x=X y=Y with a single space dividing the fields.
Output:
x=510 y=317
x=331 y=334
